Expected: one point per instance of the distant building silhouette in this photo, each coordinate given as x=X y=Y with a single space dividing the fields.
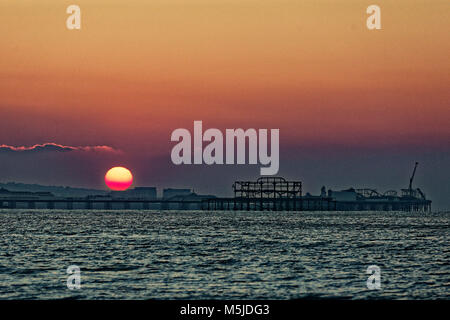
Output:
x=148 y=193
x=169 y=192
x=343 y=195
x=5 y=193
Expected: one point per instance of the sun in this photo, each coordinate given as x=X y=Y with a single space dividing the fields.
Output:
x=118 y=178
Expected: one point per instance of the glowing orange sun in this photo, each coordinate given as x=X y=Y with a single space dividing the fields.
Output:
x=118 y=178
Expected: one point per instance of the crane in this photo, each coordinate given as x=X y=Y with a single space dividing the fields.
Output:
x=410 y=192
x=412 y=178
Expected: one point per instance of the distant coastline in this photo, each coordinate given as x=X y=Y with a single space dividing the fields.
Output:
x=62 y=191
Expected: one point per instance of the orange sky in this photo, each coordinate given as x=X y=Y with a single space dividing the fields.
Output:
x=139 y=69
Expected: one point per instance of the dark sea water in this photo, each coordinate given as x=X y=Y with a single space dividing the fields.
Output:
x=223 y=255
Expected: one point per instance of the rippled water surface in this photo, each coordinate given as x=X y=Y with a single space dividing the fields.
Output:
x=223 y=255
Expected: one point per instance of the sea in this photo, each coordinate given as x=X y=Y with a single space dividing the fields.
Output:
x=223 y=255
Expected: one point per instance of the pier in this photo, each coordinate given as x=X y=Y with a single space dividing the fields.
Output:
x=212 y=204
x=103 y=204
x=270 y=204
x=264 y=194
x=304 y=203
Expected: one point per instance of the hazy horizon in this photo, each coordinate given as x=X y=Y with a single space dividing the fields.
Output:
x=355 y=107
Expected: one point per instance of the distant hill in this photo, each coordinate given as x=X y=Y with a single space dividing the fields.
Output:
x=56 y=190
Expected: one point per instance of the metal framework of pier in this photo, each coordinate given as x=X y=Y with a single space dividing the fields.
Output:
x=271 y=194
x=270 y=204
x=268 y=188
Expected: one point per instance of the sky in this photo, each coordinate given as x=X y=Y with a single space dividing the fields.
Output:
x=355 y=107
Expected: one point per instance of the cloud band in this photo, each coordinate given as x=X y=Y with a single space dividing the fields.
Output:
x=54 y=147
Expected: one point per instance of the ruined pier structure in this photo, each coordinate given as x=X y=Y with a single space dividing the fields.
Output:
x=264 y=194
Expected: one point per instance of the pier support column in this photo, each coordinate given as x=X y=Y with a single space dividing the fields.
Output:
x=107 y=205
x=31 y=205
x=126 y=205
x=88 y=205
x=69 y=205
x=145 y=206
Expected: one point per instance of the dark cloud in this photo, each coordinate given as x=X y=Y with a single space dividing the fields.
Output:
x=54 y=147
